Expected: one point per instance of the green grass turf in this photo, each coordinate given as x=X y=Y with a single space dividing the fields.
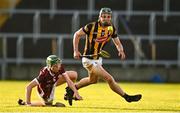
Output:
x=97 y=98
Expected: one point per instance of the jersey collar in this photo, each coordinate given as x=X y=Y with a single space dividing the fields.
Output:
x=52 y=74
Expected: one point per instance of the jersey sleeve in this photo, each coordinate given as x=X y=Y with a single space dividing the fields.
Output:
x=87 y=28
x=114 y=34
x=40 y=77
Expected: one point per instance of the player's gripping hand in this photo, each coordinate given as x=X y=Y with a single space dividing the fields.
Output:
x=21 y=102
x=77 y=96
x=77 y=55
x=122 y=55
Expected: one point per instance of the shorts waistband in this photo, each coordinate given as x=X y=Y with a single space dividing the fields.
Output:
x=91 y=58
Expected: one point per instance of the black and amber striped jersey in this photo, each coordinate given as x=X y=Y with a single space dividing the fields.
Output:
x=97 y=37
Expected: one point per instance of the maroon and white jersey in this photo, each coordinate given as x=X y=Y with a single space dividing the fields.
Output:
x=47 y=82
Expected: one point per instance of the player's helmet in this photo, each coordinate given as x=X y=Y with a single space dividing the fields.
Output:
x=52 y=59
x=105 y=10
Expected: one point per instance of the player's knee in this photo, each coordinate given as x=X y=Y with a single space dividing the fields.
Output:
x=74 y=75
x=109 y=80
x=93 y=81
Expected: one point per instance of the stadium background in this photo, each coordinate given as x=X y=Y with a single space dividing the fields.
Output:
x=30 y=30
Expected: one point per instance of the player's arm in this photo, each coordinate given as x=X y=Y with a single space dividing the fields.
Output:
x=29 y=87
x=77 y=35
x=119 y=47
x=72 y=86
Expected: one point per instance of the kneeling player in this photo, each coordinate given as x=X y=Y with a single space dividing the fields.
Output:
x=49 y=77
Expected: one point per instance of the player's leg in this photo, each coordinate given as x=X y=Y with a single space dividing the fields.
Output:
x=108 y=78
x=90 y=66
x=115 y=87
x=91 y=79
x=69 y=92
x=72 y=75
x=82 y=83
x=47 y=98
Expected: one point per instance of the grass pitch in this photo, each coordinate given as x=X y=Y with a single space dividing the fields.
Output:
x=97 y=98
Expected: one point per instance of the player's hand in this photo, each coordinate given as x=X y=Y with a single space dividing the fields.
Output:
x=77 y=55
x=122 y=55
x=28 y=105
x=77 y=96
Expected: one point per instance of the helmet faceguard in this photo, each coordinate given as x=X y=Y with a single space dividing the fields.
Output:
x=52 y=59
x=105 y=11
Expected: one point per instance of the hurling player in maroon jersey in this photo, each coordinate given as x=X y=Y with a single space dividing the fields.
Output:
x=49 y=77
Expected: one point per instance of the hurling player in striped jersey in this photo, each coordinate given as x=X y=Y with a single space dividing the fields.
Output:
x=97 y=34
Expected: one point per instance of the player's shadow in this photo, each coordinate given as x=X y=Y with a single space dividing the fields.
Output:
x=129 y=109
x=99 y=107
x=139 y=109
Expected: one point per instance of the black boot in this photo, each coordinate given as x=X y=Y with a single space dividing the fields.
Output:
x=132 y=98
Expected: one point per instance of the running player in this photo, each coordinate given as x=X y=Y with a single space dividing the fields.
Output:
x=97 y=35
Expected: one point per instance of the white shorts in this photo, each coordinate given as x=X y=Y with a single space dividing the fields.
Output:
x=51 y=95
x=90 y=62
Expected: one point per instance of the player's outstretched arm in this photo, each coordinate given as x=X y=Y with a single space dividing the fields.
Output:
x=119 y=47
x=29 y=87
x=77 y=35
x=37 y=104
x=72 y=86
x=28 y=90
